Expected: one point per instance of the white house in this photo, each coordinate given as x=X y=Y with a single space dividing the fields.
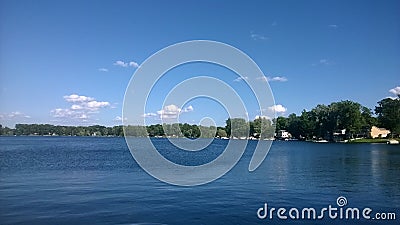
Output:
x=283 y=134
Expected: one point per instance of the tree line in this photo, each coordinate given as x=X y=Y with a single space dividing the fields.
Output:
x=236 y=127
x=321 y=122
x=48 y=129
x=355 y=120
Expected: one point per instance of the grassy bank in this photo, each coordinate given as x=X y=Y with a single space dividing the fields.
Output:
x=370 y=140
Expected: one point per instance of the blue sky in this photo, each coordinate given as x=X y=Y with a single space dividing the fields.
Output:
x=69 y=62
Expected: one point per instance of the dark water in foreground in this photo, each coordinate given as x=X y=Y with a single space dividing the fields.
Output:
x=84 y=180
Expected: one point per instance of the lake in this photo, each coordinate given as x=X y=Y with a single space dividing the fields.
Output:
x=95 y=180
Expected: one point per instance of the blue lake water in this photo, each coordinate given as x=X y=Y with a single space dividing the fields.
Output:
x=95 y=180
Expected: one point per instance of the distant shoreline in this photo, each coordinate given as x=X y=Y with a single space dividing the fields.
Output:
x=355 y=141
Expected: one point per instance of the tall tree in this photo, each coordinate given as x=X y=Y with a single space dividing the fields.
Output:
x=239 y=127
x=307 y=125
x=346 y=115
x=228 y=127
x=368 y=119
x=221 y=132
x=281 y=123
x=388 y=111
x=294 y=125
x=263 y=127
x=320 y=114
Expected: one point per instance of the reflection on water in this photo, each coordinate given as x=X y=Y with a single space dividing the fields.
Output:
x=53 y=180
x=385 y=168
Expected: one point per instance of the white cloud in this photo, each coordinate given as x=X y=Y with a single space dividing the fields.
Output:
x=18 y=114
x=133 y=64
x=14 y=115
x=83 y=116
x=171 y=111
x=395 y=91
x=120 y=63
x=262 y=78
x=61 y=113
x=333 y=26
x=77 y=98
x=240 y=79
x=149 y=115
x=95 y=105
x=126 y=64
x=118 y=119
x=81 y=108
x=256 y=37
x=272 y=79
x=69 y=113
x=280 y=79
x=84 y=102
x=103 y=70
x=188 y=109
x=76 y=107
x=323 y=62
x=277 y=109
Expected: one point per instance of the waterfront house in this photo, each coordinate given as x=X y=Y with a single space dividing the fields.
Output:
x=377 y=132
x=283 y=134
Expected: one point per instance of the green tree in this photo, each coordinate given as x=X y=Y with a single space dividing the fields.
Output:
x=221 y=132
x=294 y=127
x=8 y=131
x=239 y=127
x=155 y=130
x=368 y=119
x=135 y=131
x=388 y=111
x=118 y=131
x=307 y=125
x=346 y=115
x=207 y=132
x=281 y=123
x=263 y=128
x=228 y=127
x=173 y=130
x=320 y=114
